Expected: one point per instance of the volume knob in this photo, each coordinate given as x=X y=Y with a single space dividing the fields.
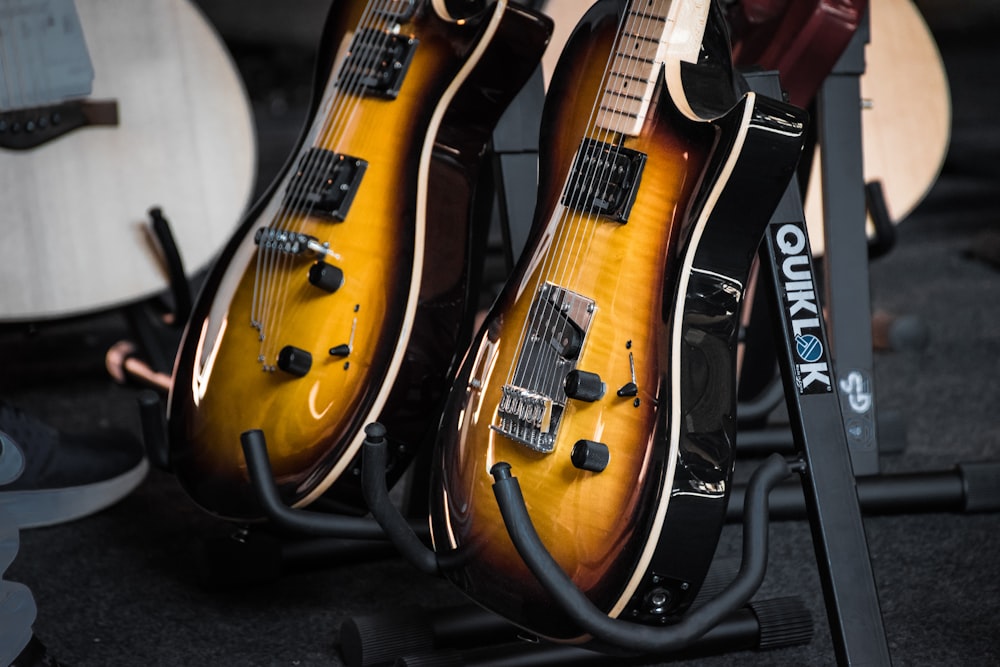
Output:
x=325 y=276
x=584 y=386
x=294 y=361
x=590 y=455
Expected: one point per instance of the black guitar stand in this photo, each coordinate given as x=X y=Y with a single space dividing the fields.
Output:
x=822 y=460
x=967 y=487
x=725 y=622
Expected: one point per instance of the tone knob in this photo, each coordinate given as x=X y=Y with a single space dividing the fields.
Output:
x=590 y=455
x=325 y=276
x=294 y=361
x=584 y=386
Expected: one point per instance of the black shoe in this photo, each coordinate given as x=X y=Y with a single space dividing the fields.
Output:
x=35 y=655
x=49 y=477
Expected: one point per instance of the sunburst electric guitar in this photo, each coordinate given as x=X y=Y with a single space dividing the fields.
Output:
x=604 y=373
x=344 y=295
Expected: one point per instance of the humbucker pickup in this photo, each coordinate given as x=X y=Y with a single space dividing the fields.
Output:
x=377 y=63
x=533 y=402
x=325 y=183
x=604 y=179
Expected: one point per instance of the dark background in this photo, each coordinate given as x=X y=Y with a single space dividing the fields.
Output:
x=125 y=586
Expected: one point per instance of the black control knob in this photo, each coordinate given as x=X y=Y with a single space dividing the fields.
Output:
x=590 y=455
x=294 y=361
x=325 y=276
x=584 y=386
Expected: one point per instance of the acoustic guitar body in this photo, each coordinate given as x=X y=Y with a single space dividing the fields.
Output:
x=76 y=222
x=345 y=293
x=604 y=373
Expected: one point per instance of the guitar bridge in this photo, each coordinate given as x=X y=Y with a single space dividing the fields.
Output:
x=289 y=243
x=532 y=404
x=528 y=418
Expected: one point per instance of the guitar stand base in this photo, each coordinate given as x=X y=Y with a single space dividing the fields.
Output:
x=618 y=635
x=469 y=635
x=252 y=555
x=967 y=487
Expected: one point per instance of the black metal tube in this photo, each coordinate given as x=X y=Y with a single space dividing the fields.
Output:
x=310 y=523
x=154 y=429
x=762 y=405
x=631 y=636
x=903 y=493
x=396 y=528
x=740 y=630
x=179 y=286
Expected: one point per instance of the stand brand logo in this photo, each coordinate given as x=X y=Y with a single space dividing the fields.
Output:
x=802 y=313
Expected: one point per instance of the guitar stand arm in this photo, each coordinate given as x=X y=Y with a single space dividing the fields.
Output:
x=626 y=634
x=303 y=521
x=376 y=495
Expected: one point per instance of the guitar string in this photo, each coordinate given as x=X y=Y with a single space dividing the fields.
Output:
x=543 y=317
x=368 y=40
x=624 y=63
x=291 y=204
x=292 y=217
x=547 y=315
x=577 y=236
x=314 y=164
x=629 y=64
x=273 y=269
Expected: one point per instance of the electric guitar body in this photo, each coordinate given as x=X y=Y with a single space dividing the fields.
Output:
x=347 y=290
x=604 y=373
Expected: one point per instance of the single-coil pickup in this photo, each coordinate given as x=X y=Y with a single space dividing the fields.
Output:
x=604 y=179
x=377 y=63
x=325 y=183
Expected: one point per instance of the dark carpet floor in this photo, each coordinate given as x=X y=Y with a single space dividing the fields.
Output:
x=127 y=586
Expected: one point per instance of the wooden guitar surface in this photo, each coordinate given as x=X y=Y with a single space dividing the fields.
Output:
x=379 y=196
x=75 y=208
x=906 y=123
x=596 y=296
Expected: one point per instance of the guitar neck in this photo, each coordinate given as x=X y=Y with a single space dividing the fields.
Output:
x=651 y=33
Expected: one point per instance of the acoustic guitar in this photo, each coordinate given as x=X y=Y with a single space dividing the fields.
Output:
x=905 y=119
x=906 y=116
x=347 y=293
x=156 y=116
x=604 y=373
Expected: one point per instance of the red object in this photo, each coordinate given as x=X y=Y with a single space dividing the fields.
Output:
x=801 y=39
